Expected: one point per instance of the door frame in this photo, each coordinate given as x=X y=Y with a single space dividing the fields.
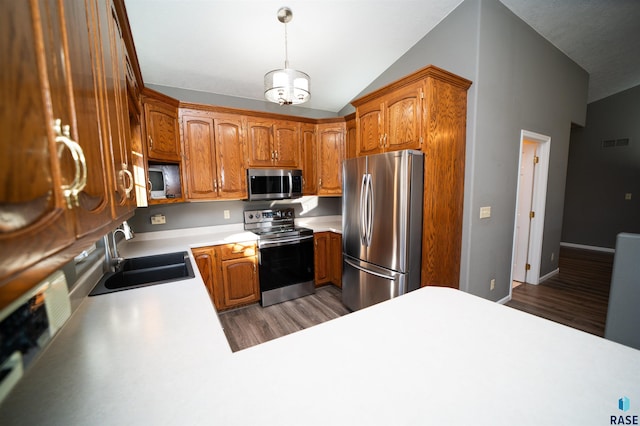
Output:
x=538 y=204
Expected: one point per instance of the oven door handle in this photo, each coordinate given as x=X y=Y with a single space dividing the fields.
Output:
x=283 y=242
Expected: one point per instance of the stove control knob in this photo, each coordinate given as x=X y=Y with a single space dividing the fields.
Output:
x=250 y=216
x=257 y=215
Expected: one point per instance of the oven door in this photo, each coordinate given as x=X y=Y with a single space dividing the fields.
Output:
x=285 y=262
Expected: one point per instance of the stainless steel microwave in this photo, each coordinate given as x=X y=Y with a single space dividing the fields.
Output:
x=274 y=184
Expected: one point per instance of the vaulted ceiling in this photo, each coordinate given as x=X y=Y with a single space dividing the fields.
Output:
x=226 y=46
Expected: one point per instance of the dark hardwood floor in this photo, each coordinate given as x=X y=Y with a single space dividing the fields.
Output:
x=253 y=324
x=577 y=297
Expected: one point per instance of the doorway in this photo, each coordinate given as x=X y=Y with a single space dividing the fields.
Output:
x=533 y=169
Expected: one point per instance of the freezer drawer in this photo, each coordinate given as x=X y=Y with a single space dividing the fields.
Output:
x=365 y=284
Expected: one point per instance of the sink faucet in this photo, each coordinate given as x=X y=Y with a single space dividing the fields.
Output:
x=113 y=259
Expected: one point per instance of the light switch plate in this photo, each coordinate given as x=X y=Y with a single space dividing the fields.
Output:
x=485 y=212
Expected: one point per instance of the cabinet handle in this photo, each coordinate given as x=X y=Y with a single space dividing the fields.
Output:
x=380 y=141
x=150 y=142
x=127 y=173
x=71 y=191
x=385 y=140
x=276 y=155
x=273 y=155
x=320 y=183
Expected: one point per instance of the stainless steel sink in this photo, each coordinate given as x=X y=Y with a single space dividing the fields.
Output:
x=139 y=272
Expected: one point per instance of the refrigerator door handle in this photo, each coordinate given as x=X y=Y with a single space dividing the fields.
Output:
x=369 y=271
x=363 y=219
x=370 y=205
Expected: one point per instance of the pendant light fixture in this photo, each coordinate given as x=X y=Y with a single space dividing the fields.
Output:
x=286 y=86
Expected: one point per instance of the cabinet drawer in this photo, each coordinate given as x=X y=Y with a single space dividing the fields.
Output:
x=237 y=250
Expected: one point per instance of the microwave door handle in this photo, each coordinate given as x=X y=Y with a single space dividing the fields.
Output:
x=290 y=184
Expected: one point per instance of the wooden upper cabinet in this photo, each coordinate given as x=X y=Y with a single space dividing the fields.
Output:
x=260 y=142
x=115 y=108
x=214 y=156
x=35 y=220
x=162 y=127
x=200 y=160
x=230 y=156
x=403 y=118
x=286 y=144
x=273 y=143
x=351 y=138
x=309 y=155
x=370 y=128
x=391 y=122
x=329 y=158
x=94 y=204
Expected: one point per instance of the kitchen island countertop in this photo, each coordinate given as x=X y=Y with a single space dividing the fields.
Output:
x=158 y=356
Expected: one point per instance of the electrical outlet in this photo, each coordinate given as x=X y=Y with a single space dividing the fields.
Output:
x=227 y=214
x=492 y=284
x=627 y=196
x=158 y=219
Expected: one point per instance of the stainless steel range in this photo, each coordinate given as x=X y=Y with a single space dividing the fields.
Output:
x=285 y=255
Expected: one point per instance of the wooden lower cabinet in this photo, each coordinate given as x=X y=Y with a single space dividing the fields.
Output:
x=328 y=258
x=335 y=255
x=230 y=273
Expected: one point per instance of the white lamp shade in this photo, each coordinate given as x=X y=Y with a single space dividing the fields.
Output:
x=287 y=86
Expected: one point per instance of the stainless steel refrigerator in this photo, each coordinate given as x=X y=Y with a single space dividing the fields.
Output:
x=381 y=226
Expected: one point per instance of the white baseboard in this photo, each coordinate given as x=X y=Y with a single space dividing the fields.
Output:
x=585 y=247
x=549 y=275
x=504 y=300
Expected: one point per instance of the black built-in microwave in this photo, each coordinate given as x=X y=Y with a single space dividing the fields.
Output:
x=273 y=184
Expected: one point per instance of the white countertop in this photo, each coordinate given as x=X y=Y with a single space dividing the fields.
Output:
x=158 y=356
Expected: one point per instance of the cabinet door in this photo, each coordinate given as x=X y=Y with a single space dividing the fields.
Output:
x=322 y=266
x=330 y=156
x=206 y=265
x=403 y=118
x=93 y=207
x=351 y=139
x=115 y=109
x=163 y=133
x=240 y=281
x=260 y=143
x=200 y=157
x=335 y=250
x=286 y=144
x=309 y=154
x=370 y=128
x=230 y=157
x=34 y=219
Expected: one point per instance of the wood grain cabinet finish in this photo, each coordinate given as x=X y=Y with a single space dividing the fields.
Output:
x=335 y=253
x=351 y=137
x=63 y=60
x=328 y=258
x=309 y=155
x=120 y=170
x=162 y=129
x=205 y=260
x=214 y=155
x=230 y=273
x=273 y=143
x=391 y=122
x=330 y=153
x=425 y=110
x=322 y=265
